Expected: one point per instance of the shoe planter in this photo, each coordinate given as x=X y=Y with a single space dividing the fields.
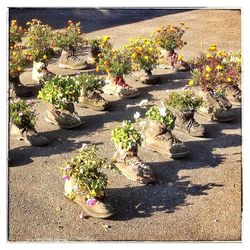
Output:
x=157 y=138
x=40 y=72
x=233 y=94
x=30 y=136
x=68 y=60
x=118 y=87
x=16 y=88
x=64 y=118
x=93 y=101
x=94 y=207
x=216 y=108
x=133 y=167
x=148 y=78
x=186 y=123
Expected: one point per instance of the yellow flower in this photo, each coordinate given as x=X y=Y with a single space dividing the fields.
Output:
x=134 y=55
x=229 y=79
x=28 y=23
x=105 y=38
x=191 y=83
x=97 y=69
x=14 y=53
x=146 y=58
x=219 y=67
x=150 y=49
x=44 y=57
x=19 y=69
x=208 y=55
x=208 y=69
x=131 y=39
x=187 y=27
x=179 y=57
x=213 y=47
x=239 y=60
x=207 y=75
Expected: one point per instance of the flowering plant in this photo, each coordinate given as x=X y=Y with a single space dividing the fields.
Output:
x=22 y=113
x=144 y=53
x=126 y=137
x=213 y=69
x=83 y=168
x=170 y=36
x=37 y=40
x=233 y=59
x=90 y=82
x=15 y=33
x=97 y=45
x=69 y=37
x=17 y=60
x=60 y=91
x=162 y=114
x=184 y=100
x=117 y=63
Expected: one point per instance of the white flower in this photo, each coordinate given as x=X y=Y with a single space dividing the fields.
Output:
x=124 y=123
x=143 y=103
x=137 y=115
x=85 y=146
x=163 y=111
x=75 y=188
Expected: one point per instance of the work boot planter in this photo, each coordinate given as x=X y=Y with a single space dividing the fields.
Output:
x=183 y=104
x=90 y=96
x=219 y=71
x=85 y=184
x=169 y=38
x=145 y=56
x=157 y=134
x=127 y=140
x=60 y=93
x=117 y=64
x=23 y=121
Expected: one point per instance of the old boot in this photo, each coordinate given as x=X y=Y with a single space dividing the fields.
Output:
x=30 y=136
x=69 y=61
x=133 y=167
x=92 y=100
x=159 y=139
x=17 y=89
x=64 y=118
x=117 y=86
x=186 y=123
x=216 y=108
x=233 y=94
x=95 y=207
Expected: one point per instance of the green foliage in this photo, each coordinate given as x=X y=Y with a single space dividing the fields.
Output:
x=162 y=115
x=84 y=169
x=15 y=33
x=126 y=137
x=91 y=82
x=60 y=90
x=70 y=36
x=22 y=114
x=184 y=100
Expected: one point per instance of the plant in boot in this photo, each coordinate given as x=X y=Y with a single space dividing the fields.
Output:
x=69 y=41
x=144 y=54
x=15 y=33
x=17 y=62
x=183 y=104
x=157 y=134
x=23 y=121
x=61 y=92
x=126 y=140
x=117 y=64
x=85 y=183
x=170 y=38
x=97 y=46
x=90 y=97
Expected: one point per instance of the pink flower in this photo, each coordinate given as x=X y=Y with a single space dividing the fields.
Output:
x=91 y=202
x=66 y=177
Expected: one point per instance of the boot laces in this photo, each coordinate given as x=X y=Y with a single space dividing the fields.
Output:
x=140 y=164
x=192 y=123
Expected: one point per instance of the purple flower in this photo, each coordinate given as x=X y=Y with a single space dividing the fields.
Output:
x=91 y=202
x=67 y=168
x=66 y=177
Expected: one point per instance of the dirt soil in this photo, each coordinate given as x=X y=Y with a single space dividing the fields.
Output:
x=198 y=198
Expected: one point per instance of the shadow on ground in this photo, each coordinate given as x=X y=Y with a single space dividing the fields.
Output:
x=58 y=17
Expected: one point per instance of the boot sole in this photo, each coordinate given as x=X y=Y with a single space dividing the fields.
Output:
x=174 y=156
x=101 y=216
x=211 y=118
x=64 y=66
x=56 y=124
x=191 y=134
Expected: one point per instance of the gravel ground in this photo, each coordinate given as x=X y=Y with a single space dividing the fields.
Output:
x=196 y=199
